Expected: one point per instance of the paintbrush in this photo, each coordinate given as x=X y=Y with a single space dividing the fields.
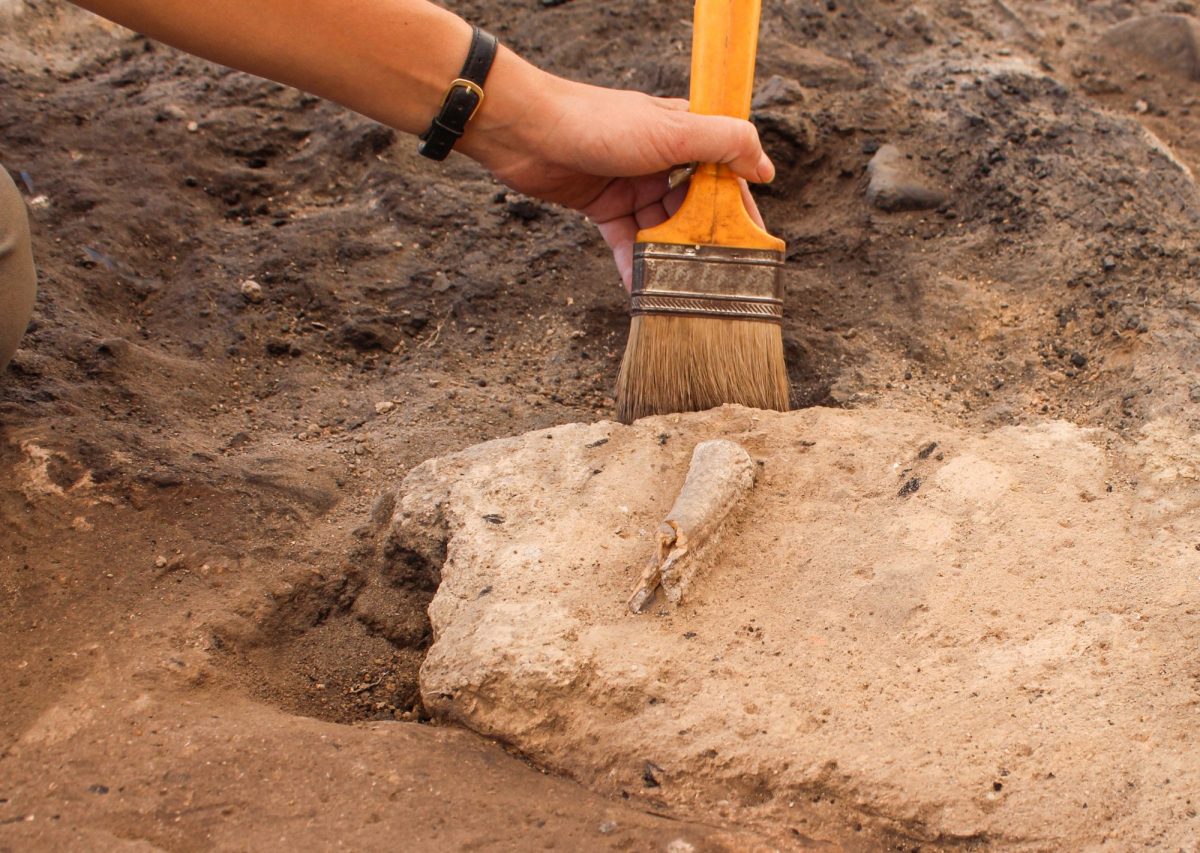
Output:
x=707 y=298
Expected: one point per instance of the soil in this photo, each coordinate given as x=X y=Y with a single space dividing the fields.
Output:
x=200 y=615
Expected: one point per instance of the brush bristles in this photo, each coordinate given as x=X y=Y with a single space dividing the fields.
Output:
x=688 y=364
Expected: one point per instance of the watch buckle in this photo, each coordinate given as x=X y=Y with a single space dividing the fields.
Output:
x=470 y=86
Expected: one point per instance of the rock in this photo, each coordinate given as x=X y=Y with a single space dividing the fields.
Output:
x=384 y=407
x=786 y=132
x=370 y=332
x=776 y=92
x=1167 y=42
x=281 y=346
x=896 y=184
x=973 y=660
x=163 y=479
x=251 y=291
x=370 y=141
x=171 y=111
x=808 y=67
x=526 y=210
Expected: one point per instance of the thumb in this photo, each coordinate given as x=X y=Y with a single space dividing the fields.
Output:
x=720 y=139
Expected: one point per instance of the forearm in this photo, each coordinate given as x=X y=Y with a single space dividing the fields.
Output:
x=388 y=59
x=602 y=151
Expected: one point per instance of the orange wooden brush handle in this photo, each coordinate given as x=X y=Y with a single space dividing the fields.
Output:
x=724 y=48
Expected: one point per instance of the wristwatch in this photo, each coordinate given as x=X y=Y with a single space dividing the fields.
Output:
x=463 y=99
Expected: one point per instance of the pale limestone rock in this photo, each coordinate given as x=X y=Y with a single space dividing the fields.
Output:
x=951 y=642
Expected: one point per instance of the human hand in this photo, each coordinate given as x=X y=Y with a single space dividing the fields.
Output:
x=608 y=154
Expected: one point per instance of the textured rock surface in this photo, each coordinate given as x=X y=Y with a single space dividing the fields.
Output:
x=1170 y=42
x=928 y=634
x=897 y=185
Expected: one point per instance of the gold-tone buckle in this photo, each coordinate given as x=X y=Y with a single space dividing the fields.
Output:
x=470 y=86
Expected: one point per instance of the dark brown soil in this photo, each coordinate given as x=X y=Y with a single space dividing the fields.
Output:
x=195 y=481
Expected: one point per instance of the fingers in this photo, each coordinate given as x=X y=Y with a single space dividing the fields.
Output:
x=719 y=139
x=623 y=197
x=673 y=200
x=620 y=235
x=751 y=205
x=651 y=215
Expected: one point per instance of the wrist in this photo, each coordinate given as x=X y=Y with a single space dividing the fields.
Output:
x=517 y=114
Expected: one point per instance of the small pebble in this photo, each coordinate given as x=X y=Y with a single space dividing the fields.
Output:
x=382 y=408
x=160 y=562
x=252 y=291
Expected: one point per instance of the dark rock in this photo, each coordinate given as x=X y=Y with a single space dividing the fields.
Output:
x=650 y=773
x=785 y=129
x=163 y=479
x=777 y=91
x=809 y=67
x=370 y=141
x=525 y=210
x=1168 y=42
x=369 y=334
x=896 y=184
x=280 y=347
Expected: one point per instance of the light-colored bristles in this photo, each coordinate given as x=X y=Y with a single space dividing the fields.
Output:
x=688 y=364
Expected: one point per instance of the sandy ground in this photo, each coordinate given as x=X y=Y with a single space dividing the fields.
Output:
x=196 y=594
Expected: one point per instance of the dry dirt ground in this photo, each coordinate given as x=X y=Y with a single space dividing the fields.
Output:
x=206 y=640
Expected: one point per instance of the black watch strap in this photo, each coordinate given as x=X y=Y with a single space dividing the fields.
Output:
x=463 y=98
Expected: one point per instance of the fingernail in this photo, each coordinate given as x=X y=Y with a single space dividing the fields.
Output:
x=765 y=170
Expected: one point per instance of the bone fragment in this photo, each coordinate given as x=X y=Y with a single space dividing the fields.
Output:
x=720 y=475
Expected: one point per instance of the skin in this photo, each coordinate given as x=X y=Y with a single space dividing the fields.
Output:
x=537 y=133
x=18 y=281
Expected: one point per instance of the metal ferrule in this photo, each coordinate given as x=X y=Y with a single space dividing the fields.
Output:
x=707 y=281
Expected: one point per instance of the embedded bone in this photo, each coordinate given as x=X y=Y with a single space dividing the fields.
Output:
x=720 y=475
